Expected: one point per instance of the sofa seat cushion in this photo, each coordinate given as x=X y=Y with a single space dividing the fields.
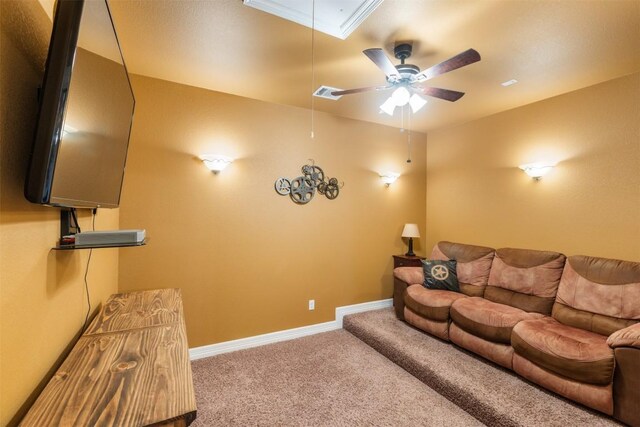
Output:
x=430 y=303
x=571 y=352
x=487 y=319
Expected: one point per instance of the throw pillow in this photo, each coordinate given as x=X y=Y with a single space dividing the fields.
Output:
x=439 y=274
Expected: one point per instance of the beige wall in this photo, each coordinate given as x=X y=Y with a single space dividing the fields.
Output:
x=589 y=204
x=247 y=259
x=42 y=299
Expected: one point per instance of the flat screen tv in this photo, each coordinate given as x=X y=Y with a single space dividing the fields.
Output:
x=86 y=111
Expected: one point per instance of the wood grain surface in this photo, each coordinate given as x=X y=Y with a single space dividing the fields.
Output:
x=135 y=377
x=135 y=310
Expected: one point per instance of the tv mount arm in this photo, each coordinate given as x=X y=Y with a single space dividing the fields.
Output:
x=69 y=222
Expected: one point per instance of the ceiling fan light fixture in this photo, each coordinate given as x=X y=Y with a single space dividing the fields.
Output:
x=401 y=96
x=388 y=107
x=417 y=102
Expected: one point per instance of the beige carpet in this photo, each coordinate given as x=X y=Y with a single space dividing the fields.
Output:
x=329 y=379
x=492 y=394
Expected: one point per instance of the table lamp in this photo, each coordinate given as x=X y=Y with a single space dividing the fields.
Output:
x=411 y=231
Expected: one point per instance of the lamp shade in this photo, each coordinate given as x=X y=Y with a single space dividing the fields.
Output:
x=411 y=230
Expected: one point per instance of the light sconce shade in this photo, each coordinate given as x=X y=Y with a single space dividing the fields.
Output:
x=417 y=102
x=411 y=231
x=388 y=107
x=536 y=170
x=67 y=130
x=401 y=97
x=389 y=177
x=216 y=162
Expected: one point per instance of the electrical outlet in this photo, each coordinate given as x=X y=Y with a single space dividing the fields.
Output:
x=312 y=304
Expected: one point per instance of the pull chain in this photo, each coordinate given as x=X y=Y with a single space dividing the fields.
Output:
x=409 y=140
x=313 y=24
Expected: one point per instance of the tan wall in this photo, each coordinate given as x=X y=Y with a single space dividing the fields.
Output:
x=42 y=297
x=589 y=204
x=247 y=259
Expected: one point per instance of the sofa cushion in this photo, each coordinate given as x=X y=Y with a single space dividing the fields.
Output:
x=439 y=274
x=525 y=279
x=598 y=323
x=599 y=397
x=486 y=319
x=430 y=303
x=598 y=294
x=502 y=354
x=410 y=275
x=433 y=327
x=571 y=352
x=473 y=264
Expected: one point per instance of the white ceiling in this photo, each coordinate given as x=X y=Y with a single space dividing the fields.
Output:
x=549 y=46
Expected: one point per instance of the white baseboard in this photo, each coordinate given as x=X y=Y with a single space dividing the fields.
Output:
x=288 y=334
x=359 y=308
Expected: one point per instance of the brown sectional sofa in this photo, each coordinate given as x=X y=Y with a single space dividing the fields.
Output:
x=571 y=325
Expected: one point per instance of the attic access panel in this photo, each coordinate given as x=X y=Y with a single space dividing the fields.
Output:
x=338 y=18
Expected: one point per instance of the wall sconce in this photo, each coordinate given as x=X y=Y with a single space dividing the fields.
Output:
x=216 y=162
x=389 y=177
x=536 y=170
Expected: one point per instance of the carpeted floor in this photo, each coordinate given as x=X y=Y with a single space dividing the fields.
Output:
x=329 y=379
x=492 y=394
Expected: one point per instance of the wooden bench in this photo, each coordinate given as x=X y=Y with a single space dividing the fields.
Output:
x=130 y=368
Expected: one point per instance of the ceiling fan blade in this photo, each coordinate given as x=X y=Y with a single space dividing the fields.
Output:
x=358 y=90
x=446 y=94
x=460 y=60
x=382 y=61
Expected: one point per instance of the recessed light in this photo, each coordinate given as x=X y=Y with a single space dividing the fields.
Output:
x=509 y=82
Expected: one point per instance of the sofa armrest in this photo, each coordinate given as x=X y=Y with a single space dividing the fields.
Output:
x=409 y=275
x=626 y=385
x=627 y=337
x=399 y=288
x=404 y=277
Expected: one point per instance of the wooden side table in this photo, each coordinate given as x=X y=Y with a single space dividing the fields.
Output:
x=407 y=261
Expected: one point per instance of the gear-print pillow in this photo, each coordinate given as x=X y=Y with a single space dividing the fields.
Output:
x=440 y=274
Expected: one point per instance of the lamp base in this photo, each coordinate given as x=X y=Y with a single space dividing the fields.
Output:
x=410 y=252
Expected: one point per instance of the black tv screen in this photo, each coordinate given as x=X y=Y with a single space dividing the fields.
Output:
x=86 y=111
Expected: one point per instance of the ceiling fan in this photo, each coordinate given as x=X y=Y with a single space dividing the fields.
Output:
x=407 y=79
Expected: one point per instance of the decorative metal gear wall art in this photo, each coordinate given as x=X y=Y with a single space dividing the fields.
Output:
x=302 y=189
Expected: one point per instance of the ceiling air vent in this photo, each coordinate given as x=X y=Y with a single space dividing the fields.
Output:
x=325 y=92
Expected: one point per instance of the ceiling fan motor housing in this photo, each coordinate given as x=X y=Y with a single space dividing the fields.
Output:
x=407 y=70
x=402 y=52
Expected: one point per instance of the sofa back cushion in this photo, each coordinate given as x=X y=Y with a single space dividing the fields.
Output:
x=598 y=294
x=525 y=279
x=473 y=264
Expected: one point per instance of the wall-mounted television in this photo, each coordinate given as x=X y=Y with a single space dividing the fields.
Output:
x=86 y=111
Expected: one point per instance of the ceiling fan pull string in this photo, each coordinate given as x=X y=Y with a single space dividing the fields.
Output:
x=409 y=139
x=313 y=25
